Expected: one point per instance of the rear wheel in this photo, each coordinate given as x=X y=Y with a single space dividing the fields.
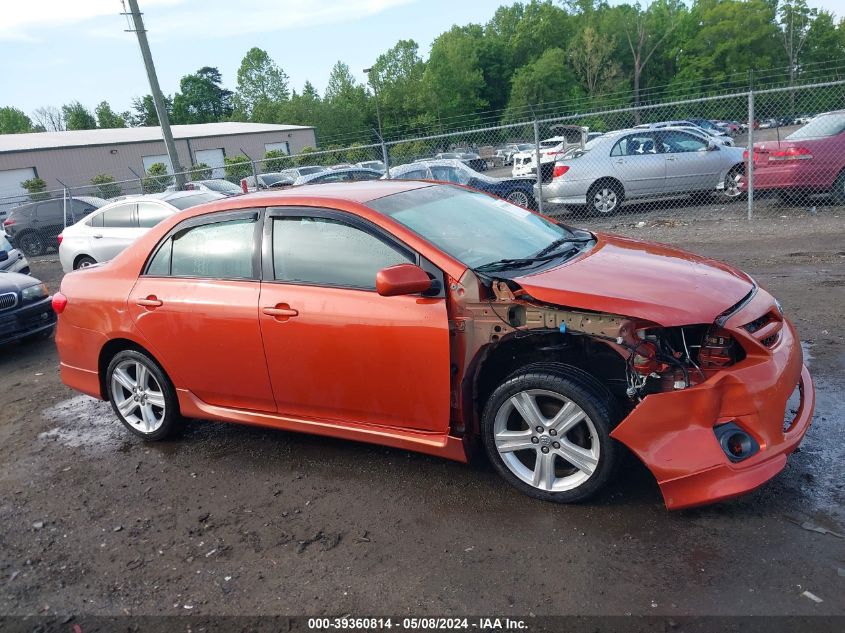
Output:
x=548 y=435
x=84 y=262
x=141 y=395
x=521 y=198
x=604 y=198
x=733 y=180
x=31 y=244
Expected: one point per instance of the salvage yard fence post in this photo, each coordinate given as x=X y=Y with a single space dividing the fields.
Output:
x=749 y=168
x=539 y=165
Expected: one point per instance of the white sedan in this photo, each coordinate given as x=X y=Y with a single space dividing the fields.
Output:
x=101 y=235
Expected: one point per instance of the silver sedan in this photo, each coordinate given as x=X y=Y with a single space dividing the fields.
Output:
x=637 y=163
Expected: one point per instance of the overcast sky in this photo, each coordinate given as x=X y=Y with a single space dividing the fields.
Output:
x=56 y=51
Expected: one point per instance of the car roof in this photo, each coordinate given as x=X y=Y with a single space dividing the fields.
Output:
x=361 y=191
x=331 y=172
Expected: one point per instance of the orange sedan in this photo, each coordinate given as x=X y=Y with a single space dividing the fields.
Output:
x=433 y=318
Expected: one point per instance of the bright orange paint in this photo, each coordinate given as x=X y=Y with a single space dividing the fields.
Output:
x=393 y=370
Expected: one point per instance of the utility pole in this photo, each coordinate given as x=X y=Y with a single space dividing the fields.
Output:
x=155 y=89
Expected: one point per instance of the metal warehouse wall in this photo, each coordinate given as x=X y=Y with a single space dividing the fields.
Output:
x=75 y=166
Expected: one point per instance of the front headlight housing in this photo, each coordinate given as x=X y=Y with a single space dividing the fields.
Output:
x=31 y=293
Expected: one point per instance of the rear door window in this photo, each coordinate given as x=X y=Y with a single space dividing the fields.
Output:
x=120 y=217
x=150 y=214
x=217 y=250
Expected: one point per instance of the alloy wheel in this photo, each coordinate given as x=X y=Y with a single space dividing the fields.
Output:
x=732 y=184
x=546 y=440
x=519 y=198
x=138 y=396
x=605 y=200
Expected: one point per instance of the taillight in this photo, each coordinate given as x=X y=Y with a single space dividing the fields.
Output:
x=244 y=185
x=755 y=157
x=59 y=238
x=59 y=303
x=560 y=170
x=792 y=153
x=8 y=222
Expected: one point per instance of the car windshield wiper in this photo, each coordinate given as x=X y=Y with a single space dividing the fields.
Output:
x=557 y=243
x=543 y=255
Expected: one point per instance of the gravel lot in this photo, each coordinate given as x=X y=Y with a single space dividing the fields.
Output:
x=237 y=520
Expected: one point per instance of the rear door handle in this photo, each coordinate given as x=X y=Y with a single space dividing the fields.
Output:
x=280 y=311
x=620 y=162
x=97 y=236
x=150 y=302
x=670 y=158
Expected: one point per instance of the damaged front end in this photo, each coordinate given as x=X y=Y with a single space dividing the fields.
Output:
x=702 y=405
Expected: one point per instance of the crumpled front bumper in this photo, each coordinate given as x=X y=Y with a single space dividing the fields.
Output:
x=672 y=432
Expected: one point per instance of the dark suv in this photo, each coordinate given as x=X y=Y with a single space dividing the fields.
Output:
x=35 y=227
x=25 y=308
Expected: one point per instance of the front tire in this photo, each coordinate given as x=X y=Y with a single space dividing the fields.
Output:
x=547 y=433
x=141 y=395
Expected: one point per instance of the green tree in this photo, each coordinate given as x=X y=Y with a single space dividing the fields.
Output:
x=548 y=79
x=144 y=113
x=357 y=153
x=14 y=121
x=202 y=98
x=37 y=188
x=78 y=117
x=157 y=178
x=106 y=186
x=344 y=104
x=236 y=167
x=591 y=55
x=304 y=157
x=276 y=160
x=108 y=118
x=200 y=171
x=262 y=86
x=453 y=79
x=397 y=75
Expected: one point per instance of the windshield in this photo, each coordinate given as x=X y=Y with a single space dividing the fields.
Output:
x=304 y=171
x=222 y=185
x=472 y=227
x=577 y=151
x=823 y=125
x=185 y=202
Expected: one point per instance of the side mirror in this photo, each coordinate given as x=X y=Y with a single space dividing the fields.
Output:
x=402 y=279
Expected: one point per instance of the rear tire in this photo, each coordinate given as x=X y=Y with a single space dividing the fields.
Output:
x=521 y=198
x=142 y=395
x=604 y=198
x=84 y=262
x=31 y=244
x=547 y=433
x=733 y=178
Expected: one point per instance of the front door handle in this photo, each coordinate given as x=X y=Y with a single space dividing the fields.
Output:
x=620 y=162
x=150 y=302
x=281 y=311
x=97 y=236
x=670 y=158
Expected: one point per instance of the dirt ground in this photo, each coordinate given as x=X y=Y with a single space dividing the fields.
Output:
x=235 y=520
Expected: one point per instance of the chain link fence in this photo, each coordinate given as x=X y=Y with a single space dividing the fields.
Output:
x=754 y=153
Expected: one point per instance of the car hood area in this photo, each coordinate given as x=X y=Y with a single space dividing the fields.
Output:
x=15 y=282
x=664 y=285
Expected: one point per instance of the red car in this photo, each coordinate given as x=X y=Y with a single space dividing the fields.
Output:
x=438 y=319
x=810 y=160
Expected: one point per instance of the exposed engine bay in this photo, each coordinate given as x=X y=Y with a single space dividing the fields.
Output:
x=644 y=357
